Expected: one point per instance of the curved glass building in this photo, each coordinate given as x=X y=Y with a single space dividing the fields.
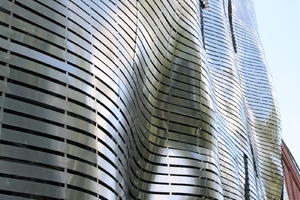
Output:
x=135 y=99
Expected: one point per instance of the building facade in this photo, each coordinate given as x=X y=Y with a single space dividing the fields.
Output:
x=135 y=99
x=291 y=173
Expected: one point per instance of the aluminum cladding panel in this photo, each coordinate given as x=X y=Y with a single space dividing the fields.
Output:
x=127 y=99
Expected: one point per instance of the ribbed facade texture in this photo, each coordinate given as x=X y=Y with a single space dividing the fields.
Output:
x=135 y=99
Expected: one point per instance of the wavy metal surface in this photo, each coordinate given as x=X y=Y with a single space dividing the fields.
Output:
x=128 y=99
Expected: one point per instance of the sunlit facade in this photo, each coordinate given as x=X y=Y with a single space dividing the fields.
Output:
x=135 y=99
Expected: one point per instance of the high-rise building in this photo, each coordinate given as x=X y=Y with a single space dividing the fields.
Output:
x=135 y=99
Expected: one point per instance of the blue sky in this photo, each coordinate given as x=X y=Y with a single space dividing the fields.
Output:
x=279 y=29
